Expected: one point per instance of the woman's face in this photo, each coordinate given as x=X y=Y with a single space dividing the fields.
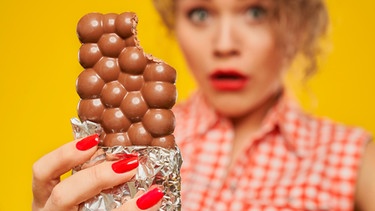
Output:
x=232 y=51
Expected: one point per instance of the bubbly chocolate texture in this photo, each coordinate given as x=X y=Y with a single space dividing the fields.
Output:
x=129 y=93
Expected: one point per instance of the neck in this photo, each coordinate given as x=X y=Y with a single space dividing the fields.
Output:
x=245 y=127
x=252 y=121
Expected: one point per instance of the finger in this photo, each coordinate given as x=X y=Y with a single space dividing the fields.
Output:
x=150 y=201
x=88 y=182
x=48 y=169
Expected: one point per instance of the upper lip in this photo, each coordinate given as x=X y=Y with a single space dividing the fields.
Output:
x=227 y=74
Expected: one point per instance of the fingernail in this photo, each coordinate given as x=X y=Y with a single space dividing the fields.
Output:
x=88 y=142
x=150 y=198
x=125 y=165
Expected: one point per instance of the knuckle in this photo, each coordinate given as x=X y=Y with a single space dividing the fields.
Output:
x=37 y=171
x=57 y=198
x=95 y=176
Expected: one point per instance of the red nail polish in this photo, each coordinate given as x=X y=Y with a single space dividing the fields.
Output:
x=125 y=165
x=88 y=142
x=150 y=198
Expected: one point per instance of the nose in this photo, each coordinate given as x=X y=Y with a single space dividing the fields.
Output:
x=225 y=42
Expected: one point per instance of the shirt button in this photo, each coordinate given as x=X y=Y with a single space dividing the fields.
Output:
x=233 y=186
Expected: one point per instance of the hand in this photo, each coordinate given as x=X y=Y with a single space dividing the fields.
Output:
x=50 y=193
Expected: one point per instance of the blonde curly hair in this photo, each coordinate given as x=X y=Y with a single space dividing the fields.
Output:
x=299 y=23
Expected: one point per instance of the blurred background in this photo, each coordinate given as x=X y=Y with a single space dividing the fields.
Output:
x=39 y=66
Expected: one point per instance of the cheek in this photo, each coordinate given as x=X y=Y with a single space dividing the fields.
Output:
x=278 y=55
x=192 y=50
x=185 y=46
x=271 y=55
x=182 y=38
x=264 y=45
x=268 y=60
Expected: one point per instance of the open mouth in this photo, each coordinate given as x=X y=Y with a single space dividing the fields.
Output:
x=228 y=80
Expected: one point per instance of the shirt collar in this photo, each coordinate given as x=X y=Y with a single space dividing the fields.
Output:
x=206 y=117
x=286 y=116
x=293 y=124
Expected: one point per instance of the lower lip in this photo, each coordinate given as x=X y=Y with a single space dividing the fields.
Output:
x=229 y=85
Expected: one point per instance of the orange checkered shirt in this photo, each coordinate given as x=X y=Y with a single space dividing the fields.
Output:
x=295 y=162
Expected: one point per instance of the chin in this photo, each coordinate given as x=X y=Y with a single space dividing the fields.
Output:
x=231 y=106
x=231 y=111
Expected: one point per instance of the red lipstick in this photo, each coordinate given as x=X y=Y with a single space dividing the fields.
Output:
x=228 y=80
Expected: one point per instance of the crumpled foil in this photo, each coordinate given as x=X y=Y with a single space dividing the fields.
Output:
x=157 y=166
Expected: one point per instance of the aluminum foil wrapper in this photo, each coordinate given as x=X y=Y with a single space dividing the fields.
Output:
x=157 y=166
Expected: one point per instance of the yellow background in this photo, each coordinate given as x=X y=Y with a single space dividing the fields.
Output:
x=39 y=66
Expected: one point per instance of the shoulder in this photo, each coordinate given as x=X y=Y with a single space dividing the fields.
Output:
x=329 y=130
x=324 y=137
x=323 y=128
x=365 y=183
x=193 y=117
x=187 y=109
x=297 y=124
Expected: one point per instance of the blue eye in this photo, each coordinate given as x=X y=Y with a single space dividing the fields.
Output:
x=198 y=15
x=256 y=12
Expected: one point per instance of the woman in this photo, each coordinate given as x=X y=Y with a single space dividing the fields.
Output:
x=245 y=144
x=256 y=150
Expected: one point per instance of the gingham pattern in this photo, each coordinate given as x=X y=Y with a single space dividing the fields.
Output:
x=296 y=162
